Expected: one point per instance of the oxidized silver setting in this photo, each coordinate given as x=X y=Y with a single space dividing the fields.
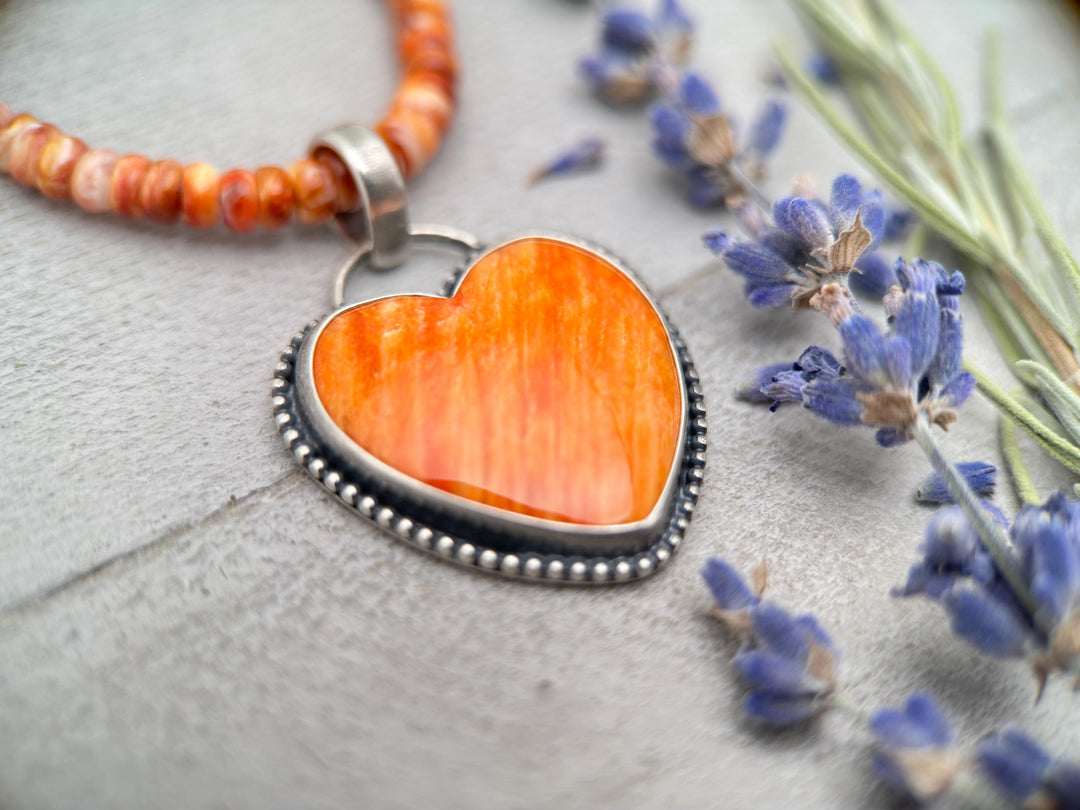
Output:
x=464 y=531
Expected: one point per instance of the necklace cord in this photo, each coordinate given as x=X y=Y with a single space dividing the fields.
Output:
x=310 y=191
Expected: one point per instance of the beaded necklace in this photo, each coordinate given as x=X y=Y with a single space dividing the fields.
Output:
x=310 y=191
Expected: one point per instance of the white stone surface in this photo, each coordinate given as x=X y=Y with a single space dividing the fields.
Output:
x=187 y=620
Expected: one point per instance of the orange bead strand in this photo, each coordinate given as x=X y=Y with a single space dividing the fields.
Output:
x=310 y=191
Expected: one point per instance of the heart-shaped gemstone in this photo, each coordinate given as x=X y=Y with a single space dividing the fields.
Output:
x=546 y=386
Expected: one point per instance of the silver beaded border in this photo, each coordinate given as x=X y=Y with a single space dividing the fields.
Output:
x=530 y=566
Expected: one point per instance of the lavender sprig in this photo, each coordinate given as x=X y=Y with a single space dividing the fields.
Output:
x=975 y=194
x=980 y=476
x=789 y=664
x=695 y=136
x=810 y=245
x=901 y=382
x=788 y=661
x=1039 y=619
x=915 y=750
x=918 y=754
x=887 y=380
x=639 y=54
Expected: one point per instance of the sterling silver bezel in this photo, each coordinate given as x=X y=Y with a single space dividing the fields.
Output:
x=473 y=534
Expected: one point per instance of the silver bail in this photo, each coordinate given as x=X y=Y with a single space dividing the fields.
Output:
x=381 y=223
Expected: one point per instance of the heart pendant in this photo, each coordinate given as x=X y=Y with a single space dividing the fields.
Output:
x=540 y=419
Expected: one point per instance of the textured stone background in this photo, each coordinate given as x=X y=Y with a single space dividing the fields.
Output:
x=186 y=620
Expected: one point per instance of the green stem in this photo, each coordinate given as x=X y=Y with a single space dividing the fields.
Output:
x=842 y=702
x=1014 y=463
x=991 y=532
x=1044 y=225
x=1065 y=452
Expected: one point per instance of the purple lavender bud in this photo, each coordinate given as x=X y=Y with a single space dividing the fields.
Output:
x=864 y=348
x=587 y=153
x=751 y=389
x=793 y=250
x=873 y=216
x=814 y=633
x=991 y=625
x=779 y=632
x=766 y=130
x=672 y=16
x=595 y=70
x=769 y=296
x=918 y=316
x=834 y=400
x=697 y=97
x=789 y=662
x=756 y=263
x=949 y=285
x=845 y=201
x=716 y=240
x=823 y=68
x=1053 y=568
x=950 y=540
x=771 y=672
x=804 y=220
x=705 y=191
x=925 y=579
x=949 y=358
x=898 y=223
x=951 y=551
x=1013 y=762
x=898 y=362
x=627 y=30
x=956 y=393
x=918 y=275
x=913 y=743
x=729 y=590
x=919 y=723
x=980 y=476
x=891 y=437
x=873 y=275
x=817 y=360
x=786 y=386
x=671 y=130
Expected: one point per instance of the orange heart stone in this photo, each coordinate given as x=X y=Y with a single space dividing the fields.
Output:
x=546 y=386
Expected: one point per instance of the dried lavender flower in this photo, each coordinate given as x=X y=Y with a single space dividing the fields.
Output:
x=585 y=154
x=887 y=380
x=980 y=476
x=1042 y=625
x=914 y=748
x=788 y=661
x=638 y=53
x=810 y=245
x=1020 y=769
x=694 y=136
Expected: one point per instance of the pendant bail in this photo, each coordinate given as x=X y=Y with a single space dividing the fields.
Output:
x=381 y=223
